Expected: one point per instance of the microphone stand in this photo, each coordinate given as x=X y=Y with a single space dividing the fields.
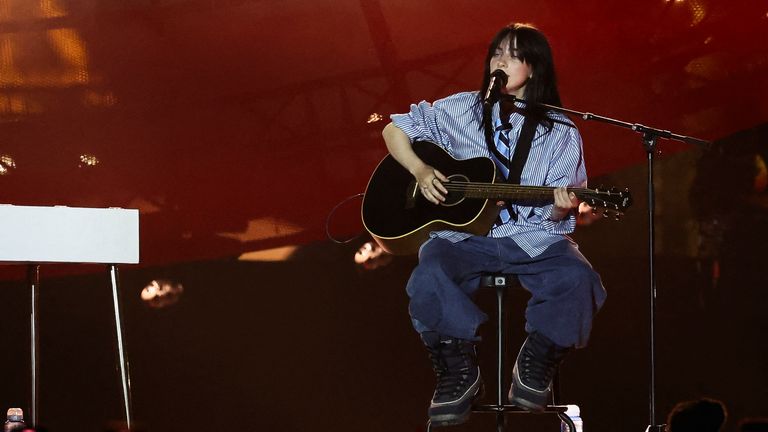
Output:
x=649 y=138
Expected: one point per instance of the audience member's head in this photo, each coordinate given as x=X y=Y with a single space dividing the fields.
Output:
x=753 y=425
x=702 y=415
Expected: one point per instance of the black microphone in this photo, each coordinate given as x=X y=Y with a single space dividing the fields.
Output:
x=498 y=80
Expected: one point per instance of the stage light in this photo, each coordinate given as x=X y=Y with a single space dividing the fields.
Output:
x=88 y=160
x=698 y=11
x=283 y=253
x=371 y=256
x=375 y=117
x=161 y=293
x=760 y=183
x=7 y=164
x=263 y=228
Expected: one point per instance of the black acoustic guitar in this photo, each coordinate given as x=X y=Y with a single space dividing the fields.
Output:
x=399 y=218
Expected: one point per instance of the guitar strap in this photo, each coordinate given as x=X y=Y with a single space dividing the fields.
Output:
x=522 y=149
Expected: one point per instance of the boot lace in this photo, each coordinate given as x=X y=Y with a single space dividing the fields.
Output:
x=453 y=366
x=538 y=369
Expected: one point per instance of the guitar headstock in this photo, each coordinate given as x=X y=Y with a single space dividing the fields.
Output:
x=611 y=202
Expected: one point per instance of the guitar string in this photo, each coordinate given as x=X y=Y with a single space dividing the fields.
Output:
x=485 y=189
x=482 y=187
x=524 y=187
x=536 y=189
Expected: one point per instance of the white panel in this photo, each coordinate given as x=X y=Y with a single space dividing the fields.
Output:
x=69 y=234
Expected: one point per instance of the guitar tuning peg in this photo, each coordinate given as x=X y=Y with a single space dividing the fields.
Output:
x=618 y=216
x=594 y=210
x=606 y=214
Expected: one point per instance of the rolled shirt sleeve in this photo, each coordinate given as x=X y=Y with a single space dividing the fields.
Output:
x=566 y=168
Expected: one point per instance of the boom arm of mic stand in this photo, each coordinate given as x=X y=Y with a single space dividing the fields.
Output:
x=645 y=130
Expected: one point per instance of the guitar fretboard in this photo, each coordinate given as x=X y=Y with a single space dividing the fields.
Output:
x=507 y=191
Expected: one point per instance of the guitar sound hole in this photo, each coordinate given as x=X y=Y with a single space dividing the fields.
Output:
x=455 y=197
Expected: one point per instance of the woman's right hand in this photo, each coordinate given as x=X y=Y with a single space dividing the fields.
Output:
x=430 y=183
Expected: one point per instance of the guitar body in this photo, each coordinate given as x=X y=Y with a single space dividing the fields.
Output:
x=399 y=218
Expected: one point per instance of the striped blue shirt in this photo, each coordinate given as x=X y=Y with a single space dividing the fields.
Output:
x=555 y=159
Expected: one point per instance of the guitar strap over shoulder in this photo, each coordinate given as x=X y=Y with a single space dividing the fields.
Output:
x=522 y=149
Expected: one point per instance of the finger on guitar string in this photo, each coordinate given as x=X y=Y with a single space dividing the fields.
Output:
x=437 y=193
x=438 y=181
x=428 y=179
x=564 y=201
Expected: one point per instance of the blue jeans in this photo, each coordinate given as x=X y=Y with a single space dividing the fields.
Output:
x=565 y=291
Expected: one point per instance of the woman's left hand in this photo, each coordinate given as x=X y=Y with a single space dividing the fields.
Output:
x=564 y=202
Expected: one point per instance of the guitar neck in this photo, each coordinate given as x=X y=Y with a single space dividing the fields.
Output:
x=507 y=191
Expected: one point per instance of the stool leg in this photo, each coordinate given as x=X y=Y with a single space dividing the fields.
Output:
x=567 y=420
x=33 y=276
x=125 y=378
x=500 y=294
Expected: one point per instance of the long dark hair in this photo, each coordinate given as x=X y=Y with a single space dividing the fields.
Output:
x=533 y=48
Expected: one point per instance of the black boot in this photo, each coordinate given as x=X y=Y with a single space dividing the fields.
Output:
x=458 y=378
x=534 y=369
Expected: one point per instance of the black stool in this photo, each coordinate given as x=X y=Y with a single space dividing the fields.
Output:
x=500 y=282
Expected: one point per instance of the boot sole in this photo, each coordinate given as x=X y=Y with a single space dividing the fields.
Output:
x=525 y=404
x=520 y=401
x=457 y=419
x=445 y=420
